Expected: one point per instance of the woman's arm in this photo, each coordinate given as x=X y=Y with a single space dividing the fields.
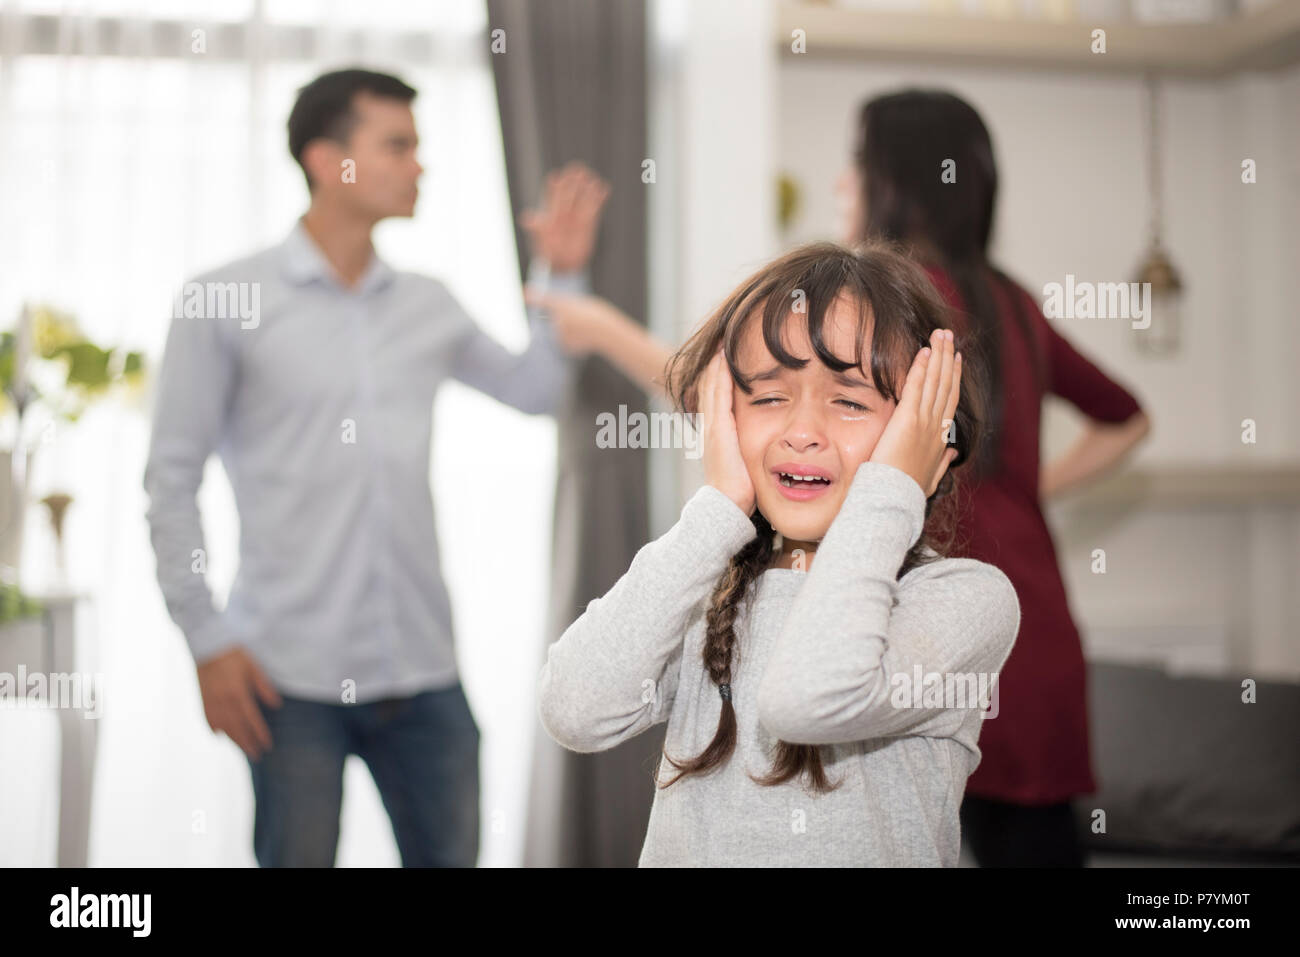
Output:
x=591 y=324
x=640 y=356
x=854 y=656
x=1101 y=446
x=613 y=673
x=1116 y=423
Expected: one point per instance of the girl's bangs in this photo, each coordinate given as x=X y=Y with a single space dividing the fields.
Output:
x=777 y=301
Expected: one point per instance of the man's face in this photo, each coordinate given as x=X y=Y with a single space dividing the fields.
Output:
x=812 y=420
x=382 y=149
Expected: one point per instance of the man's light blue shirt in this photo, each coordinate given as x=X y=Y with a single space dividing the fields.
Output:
x=319 y=403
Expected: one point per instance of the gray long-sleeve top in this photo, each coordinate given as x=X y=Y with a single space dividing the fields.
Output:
x=829 y=656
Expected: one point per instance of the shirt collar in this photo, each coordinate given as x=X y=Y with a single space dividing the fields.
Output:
x=303 y=262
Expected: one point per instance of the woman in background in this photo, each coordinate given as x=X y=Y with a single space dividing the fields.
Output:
x=1035 y=755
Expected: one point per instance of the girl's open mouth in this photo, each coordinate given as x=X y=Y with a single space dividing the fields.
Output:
x=800 y=487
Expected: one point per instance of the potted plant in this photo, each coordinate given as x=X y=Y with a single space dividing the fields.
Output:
x=49 y=372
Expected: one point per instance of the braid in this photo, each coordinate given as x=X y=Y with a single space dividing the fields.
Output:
x=720 y=643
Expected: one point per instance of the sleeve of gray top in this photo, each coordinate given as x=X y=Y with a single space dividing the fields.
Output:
x=612 y=674
x=537 y=380
x=855 y=639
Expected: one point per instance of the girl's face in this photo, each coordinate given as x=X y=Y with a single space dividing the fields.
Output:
x=850 y=221
x=810 y=421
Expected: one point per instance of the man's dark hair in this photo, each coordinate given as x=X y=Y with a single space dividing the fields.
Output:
x=324 y=107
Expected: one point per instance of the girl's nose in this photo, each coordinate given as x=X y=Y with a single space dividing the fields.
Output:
x=804 y=430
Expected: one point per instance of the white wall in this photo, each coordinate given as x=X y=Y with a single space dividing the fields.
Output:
x=713 y=208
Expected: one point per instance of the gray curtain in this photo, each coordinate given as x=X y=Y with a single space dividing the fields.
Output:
x=571 y=84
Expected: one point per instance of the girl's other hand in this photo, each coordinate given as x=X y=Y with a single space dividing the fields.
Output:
x=916 y=438
x=724 y=467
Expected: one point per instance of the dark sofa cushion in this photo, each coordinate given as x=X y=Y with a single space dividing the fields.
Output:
x=1183 y=765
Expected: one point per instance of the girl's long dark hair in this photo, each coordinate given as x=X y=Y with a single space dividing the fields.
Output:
x=899 y=307
x=903 y=142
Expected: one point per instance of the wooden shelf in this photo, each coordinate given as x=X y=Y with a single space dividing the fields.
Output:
x=1269 y=38
x=1173 y=487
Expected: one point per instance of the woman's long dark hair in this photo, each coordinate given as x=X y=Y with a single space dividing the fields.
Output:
x=904 y=143
x=899 y=307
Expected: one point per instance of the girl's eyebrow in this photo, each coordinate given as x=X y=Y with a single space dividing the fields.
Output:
x=772 y=373
x=855 y=381
x=843 y=378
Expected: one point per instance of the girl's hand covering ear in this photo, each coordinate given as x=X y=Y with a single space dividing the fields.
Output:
x=916 y=438
x=724 y=468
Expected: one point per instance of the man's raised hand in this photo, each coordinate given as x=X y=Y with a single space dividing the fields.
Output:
x=563 y=229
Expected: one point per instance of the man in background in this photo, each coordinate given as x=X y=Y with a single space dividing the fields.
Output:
x=317 y=394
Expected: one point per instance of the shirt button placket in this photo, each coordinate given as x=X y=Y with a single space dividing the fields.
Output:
x=380 y=500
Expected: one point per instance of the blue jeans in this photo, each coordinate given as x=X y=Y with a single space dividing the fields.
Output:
x=423 y=752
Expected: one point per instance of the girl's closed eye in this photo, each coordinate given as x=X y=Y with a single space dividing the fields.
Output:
x=855 y=406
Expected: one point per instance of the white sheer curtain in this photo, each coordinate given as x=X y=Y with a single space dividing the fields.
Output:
x=130 y=162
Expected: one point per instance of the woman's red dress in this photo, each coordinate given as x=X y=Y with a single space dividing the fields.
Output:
x=1036 y=751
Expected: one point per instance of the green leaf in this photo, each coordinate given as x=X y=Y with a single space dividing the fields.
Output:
x=87 y=364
